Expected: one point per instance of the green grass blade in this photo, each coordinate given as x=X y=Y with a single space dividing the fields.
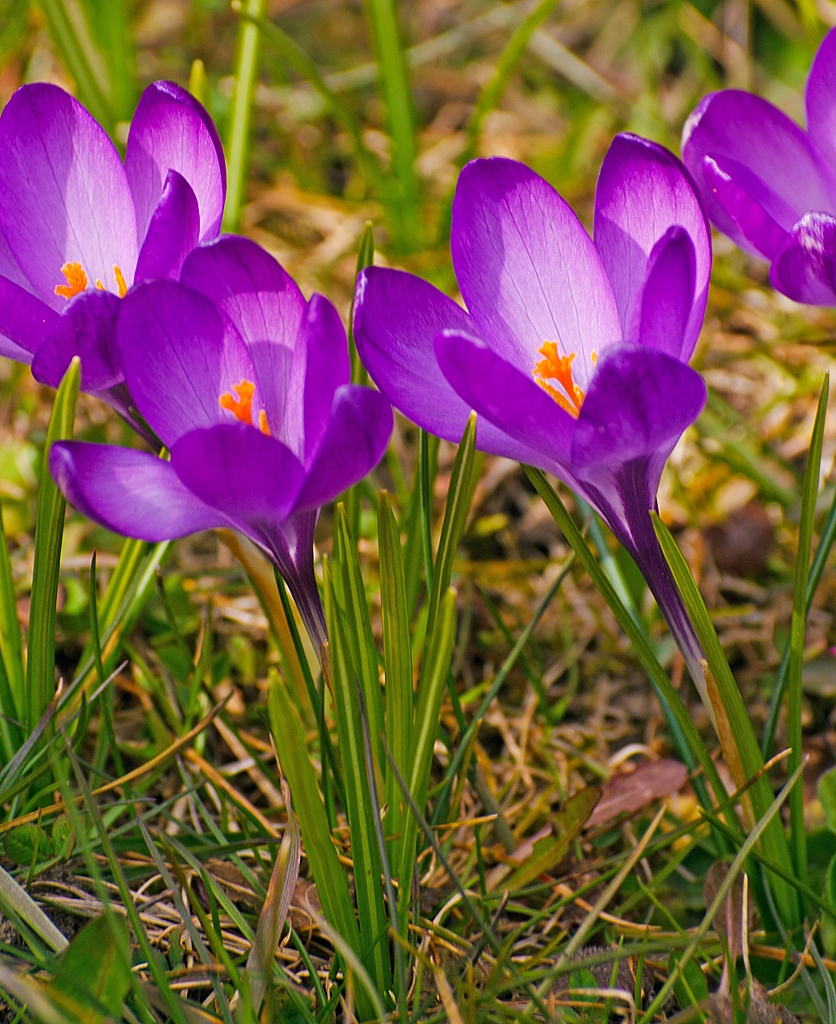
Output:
x=49 y=535
x=658 y=676
x=331 y=881
x=110 y=22
x=397 y=663
x=394 y=76
x=737 y=737
x=809 y=490
x=83 y=63
x=238 y=136
x=11 y=646
x=359 y=807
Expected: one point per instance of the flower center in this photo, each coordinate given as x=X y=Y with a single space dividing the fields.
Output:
x=77 y=281
x=241 y=405
x=556 y=367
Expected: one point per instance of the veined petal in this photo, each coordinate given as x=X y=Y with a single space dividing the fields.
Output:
x=358 y=431
x=760 y=234
x=644 y=193
x=64 y=197
x=396 y=319
x=25 y=321
x=768 y=156
x=128 y=491
x=819 y=98
x=322 y=356
x=527 y=269
x=87 y=329
x=804 y=267
x=174 y=230
x=179 y=355
x=172 y=131
x=508 y=400
x=640 y=402
x=252 y=479
x=666 y=300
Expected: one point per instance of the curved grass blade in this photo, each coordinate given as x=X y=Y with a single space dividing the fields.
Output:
x=49 y=535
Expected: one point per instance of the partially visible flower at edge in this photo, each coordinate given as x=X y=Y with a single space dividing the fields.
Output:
x=769 y=185
x=78 y=227
x=247 y=385
x=573 y=354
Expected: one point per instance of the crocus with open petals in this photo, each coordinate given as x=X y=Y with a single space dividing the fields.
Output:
x=574 y=355
x=78 y=227
x=768 y=184
x=247 y=385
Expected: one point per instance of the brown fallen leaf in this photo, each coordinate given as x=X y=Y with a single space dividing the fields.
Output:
x=625 y=794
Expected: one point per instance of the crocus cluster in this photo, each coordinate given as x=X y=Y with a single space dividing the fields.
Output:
x=768 y=184
x=573 y=353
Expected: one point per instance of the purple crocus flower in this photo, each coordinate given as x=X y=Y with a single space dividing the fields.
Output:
x=769 y=185
x=247 y=385
x=78 y=227
x=574 y=355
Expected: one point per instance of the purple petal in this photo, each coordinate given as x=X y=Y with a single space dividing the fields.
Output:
x=173 y=232
x=253 y=479
x=763 y=235
x=396 y=319
x=643 y=191
x=87 y=329
x=640 y=402
x=666 y=301
x=356 y=438
x=766 y=154
x=179 y=356
x=25 y=321
x=64 y=196
x=513 y=403
x=322 y=354
x=527 y=269
x=819 y=98
x=291 y=548
x=172 y=131
x=130 y=492
x=805 y=266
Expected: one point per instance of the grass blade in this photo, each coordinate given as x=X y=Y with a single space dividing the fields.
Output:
x=809 y=490
x=11 y=647
x=238 y=137
x=49 y=535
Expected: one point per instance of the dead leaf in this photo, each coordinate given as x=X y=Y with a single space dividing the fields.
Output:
x=626 y=794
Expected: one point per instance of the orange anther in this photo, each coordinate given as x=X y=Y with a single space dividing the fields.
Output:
x=120 y=281
x=263 y=425
x=241 y=406
x=76 y=281
x=559 y=368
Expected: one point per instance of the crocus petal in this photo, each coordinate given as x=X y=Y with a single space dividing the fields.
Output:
x=662 y=315
x=172 y=131
x=509 y=400
x=396 y=319
x=179 y=356
x=87 y=329
x=322 y=355
x=174 y=230
x=762 y=236
x=64 y=196
x=804 y=268
x=767 y=155
x=262 y=301
x=527 y=269
x=640 y=402
x=356 y=437
x=643 y=192
x=819 y=98
x=292 y=549
x=253 y=479
x=25 y=321
x=128 y=491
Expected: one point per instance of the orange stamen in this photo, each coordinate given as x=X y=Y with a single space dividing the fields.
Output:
x=241 y=406
x=120 y=281
x=559 y=368
x=263 y=425
x=76 y=281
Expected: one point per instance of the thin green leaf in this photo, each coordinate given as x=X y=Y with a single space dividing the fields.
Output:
x=49 y=535
x=10 y=640
x=14 y=898
x=110 y=23
x=361 y=812
x=809 y=490
x=238 y=136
